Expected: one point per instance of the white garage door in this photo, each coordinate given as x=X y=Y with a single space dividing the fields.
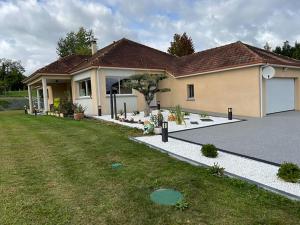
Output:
x=280 y=95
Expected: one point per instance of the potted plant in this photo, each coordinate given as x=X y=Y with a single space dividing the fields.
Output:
x=157 y=121
x=79 y=111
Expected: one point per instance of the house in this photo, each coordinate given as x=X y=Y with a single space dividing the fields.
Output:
x=212 y=80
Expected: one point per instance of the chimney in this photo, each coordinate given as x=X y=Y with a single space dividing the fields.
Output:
x=94 y=46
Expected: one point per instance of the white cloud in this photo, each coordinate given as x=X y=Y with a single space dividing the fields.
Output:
x=30 y=29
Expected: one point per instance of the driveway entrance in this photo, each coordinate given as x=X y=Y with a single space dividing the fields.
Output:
x=275 y=138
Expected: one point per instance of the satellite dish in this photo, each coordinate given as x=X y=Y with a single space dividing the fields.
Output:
x=268 y=72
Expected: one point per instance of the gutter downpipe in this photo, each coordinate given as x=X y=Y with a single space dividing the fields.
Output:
x=261 y=89
x=98 y=88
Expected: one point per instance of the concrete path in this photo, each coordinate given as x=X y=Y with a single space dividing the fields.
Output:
x=275 y=138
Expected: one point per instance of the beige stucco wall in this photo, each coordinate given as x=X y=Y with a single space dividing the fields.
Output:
x=282 y=72
x=91 y=102
x=215 y=92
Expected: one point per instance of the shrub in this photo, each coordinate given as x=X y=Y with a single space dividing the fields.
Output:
x=78 y=108
x=182 y=205
x=209 y=150
x=67 y=108
x=203 y=115
x=289 y=172
x=217 y=170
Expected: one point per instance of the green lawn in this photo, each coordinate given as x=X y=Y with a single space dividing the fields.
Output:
x=58 y=171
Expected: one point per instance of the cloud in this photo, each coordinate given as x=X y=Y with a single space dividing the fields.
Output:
x=30 y=29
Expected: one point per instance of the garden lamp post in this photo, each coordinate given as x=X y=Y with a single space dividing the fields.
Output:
x=99 y=110
x=125 y=111
x=229 y=113
x=164 y=133
x=158 y=105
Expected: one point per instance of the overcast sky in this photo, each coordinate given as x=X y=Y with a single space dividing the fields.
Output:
x=30 y=29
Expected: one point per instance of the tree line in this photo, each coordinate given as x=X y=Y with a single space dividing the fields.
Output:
x=78 y=42
x=11 y=75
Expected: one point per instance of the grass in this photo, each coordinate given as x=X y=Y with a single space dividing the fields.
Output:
x=58 y=171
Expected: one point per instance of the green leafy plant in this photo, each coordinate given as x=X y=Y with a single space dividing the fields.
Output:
x=186 y=113
x=203 y=115
x=67 y=108
x=209 y=150
x=179 y=115
x=172 y=111
x=182 y=205
x=78 y=108
x=289 y=172
x=217 y=170
x=157 y=119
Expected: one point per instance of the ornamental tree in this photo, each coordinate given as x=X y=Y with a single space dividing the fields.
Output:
x=146 y=84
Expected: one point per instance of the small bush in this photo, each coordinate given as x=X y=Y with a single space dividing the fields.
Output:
x=217 y=170
x=182 y=205
x=209 y=150
x=289 y=172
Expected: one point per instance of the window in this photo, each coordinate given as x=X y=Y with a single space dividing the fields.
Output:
x=85 y=88
x=190 y=91
x=118 y=85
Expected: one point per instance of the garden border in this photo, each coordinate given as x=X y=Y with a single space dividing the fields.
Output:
x=195 y=163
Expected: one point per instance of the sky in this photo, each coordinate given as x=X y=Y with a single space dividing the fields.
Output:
x=30 y=29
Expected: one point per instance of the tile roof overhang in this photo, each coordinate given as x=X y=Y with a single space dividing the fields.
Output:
x=129 y=54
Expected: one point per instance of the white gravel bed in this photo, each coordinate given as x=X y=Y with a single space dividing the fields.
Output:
x=172 y=124
x=259 y=172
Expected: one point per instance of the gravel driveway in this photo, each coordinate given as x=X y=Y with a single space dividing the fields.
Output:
x=275 y=138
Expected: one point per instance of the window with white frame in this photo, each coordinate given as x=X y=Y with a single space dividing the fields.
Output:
x=85 y=89
x=190 y=91
x=118 y=85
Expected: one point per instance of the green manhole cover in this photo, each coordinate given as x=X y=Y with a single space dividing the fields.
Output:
x=116 y=165
x=166 y=196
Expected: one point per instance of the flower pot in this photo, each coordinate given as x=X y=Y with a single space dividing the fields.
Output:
x=157 y=130
x=78 y=116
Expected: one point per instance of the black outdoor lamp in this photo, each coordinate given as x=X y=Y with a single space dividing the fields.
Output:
x=164 y=132
x=229 y=113
x=158 y=105
x=125 y=110
x=99 y=111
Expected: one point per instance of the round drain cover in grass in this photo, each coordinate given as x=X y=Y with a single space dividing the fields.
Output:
x=116 y=165
x=166 y=196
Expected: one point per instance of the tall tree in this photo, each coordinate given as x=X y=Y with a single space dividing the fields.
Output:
x=146 y=84
x=287 y=50
x=75 y=43
x=181 y=45
x=11 y=75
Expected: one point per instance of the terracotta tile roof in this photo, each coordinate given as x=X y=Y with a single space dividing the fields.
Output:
x=129 y=54
x=61 y=66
